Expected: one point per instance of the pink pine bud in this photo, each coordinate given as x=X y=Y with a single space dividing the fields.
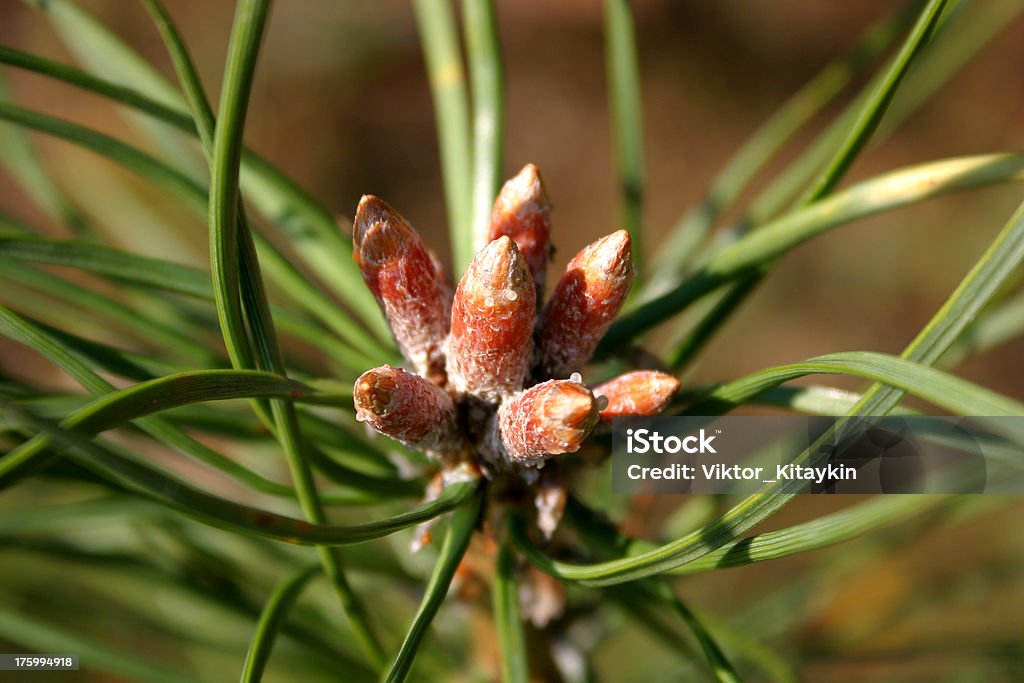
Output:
x=583 y=305
x=636 y=394
x=492 y=323
x=522 y=211
x=548 y=419
x=408 y=408
x=409 y=287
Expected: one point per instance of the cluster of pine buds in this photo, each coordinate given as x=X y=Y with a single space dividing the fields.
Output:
x=495 y=373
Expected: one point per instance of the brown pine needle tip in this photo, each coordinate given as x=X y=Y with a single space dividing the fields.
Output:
x=583 y=304
x=636 y=394
x=407 y=408
x=523 y=213
x=493 y=314
x=551 y=418
x=404 y=277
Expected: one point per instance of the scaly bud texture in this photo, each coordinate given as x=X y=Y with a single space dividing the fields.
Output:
x=407 y=282
x=491 y=376
x=522 y=212
x=408 y=408
x=583 y=304
x=493 y=314
x=550 y=418
x=636 y=394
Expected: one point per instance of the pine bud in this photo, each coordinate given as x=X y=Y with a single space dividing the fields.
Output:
x=522 y=212
x=408 y=408
x=636 y=394
x=407 y=283
x=492 y=323
x=583 y=305
x=548 y=419
x=549 y=500
x=542 y=597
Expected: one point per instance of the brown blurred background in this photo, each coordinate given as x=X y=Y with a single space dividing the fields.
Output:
x=341 y=103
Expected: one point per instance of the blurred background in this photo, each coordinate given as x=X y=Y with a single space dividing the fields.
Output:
x=341 y=103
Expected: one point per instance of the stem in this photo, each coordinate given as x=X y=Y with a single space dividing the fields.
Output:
x=515 y=667
x=456 y=540
x=624 y=100
x=485 y=72
x=273 y=616
x=225 y=236
x=451 y=109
